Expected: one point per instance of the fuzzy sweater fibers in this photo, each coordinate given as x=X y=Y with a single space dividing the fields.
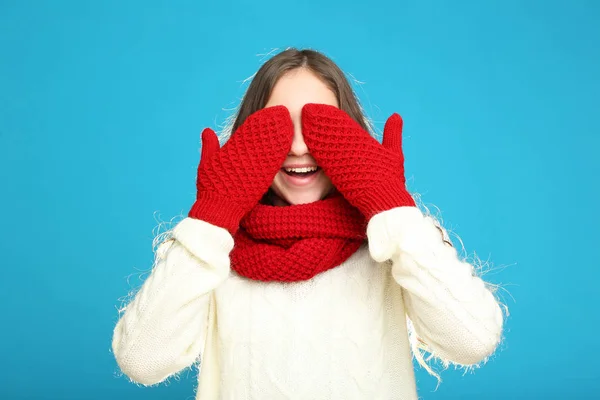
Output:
x=341 y=335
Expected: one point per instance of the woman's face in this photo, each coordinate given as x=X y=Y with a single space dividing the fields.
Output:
x=297 y=182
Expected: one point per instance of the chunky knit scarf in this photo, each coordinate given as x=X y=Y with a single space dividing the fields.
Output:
x=297 y=242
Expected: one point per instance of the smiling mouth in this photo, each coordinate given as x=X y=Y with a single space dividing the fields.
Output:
x=301 y=172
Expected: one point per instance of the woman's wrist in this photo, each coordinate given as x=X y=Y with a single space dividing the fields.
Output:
x=218 y=211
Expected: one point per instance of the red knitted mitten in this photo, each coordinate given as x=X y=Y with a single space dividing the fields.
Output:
x=368 y=174
x=232 y=179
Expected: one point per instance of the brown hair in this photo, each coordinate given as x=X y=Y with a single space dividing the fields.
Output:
x=266 y=77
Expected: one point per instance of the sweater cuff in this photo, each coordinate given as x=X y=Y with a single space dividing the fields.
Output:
x=207 y=242
x=401 y=227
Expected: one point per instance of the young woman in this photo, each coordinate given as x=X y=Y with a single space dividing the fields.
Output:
x=304 y=270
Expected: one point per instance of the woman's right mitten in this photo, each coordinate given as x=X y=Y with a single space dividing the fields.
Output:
x=232 y=179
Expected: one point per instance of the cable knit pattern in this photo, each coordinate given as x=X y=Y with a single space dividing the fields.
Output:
x=339 y=335
x=231 y=180
x=370 y=175
x=297 y=242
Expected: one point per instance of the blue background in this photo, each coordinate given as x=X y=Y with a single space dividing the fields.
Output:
x=102 y=103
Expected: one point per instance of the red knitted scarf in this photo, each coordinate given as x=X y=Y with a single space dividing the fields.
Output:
x=297 y=242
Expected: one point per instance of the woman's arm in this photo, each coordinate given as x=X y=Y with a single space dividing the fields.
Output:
x=164 y=327
x=451 y=309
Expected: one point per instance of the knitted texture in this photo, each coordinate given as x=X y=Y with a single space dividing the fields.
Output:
x=340 y=335
x=297 y=242
x=232 y=179
x=370 y=175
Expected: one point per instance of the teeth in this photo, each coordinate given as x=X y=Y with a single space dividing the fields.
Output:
x=301 y=170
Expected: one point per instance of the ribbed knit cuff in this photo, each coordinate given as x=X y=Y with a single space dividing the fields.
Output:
x=218 y=211
x=379 y=199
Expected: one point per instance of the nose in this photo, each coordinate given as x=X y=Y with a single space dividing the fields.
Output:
x=299 y=148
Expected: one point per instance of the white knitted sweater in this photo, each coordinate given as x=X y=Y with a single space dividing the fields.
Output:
x=341 y=335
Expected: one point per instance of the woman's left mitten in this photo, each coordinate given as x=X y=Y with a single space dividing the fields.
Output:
x=369 y=175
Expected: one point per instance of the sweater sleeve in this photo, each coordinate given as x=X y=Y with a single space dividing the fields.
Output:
x=163 y=329
x=451 y=309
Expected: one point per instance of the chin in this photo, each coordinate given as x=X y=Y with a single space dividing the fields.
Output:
x=287 y=197
x=304 y=198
